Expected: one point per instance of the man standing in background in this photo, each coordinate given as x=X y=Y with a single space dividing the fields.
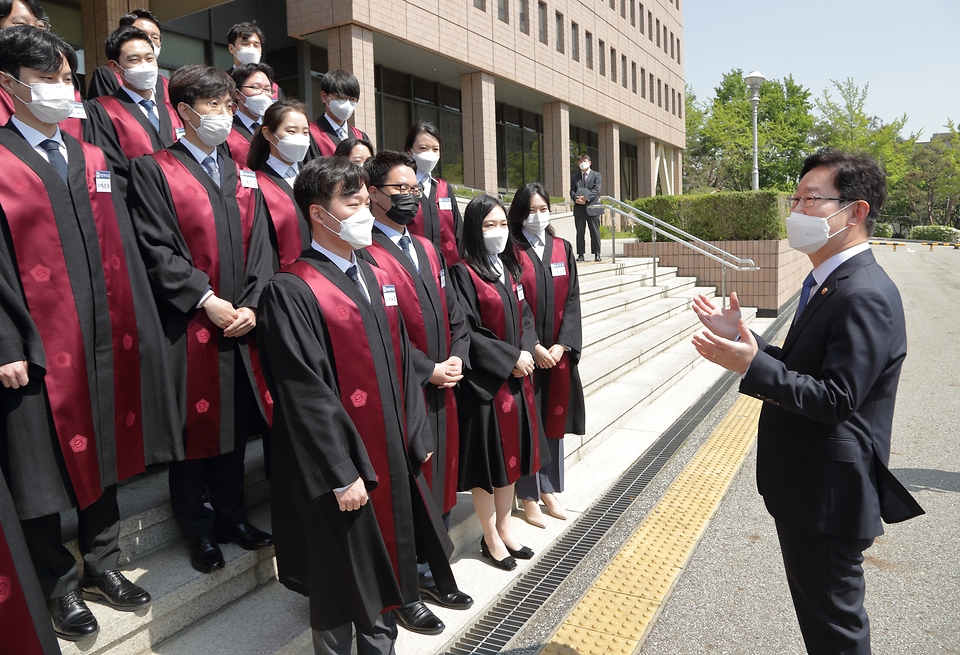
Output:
x=584 y=190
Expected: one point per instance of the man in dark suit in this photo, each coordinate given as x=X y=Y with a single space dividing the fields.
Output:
x=829 y=394
x=584 y=191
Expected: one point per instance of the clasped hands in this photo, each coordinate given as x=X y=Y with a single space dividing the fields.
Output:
x=234 y=321
x=548 y=358
x=524 y=366
x=718 y=342
x=446 y=374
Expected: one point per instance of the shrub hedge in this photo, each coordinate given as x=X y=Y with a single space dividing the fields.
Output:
x=724 y=216
x=935 y=233
x=883 y=231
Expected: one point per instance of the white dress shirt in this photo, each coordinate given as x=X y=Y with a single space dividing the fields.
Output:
x=823 y=271
x=35 y=138
x=343 y=265
x=395 y=237
x=424 y=180
x=247 y=121
x=337 y=128
x=287 y=171
x=137 y=98
x=538 y=241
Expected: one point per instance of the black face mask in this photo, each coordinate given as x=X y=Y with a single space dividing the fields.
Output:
x=403 y=208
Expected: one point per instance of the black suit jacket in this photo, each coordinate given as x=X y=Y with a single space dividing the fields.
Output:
x=592 y=208
x=829 y=393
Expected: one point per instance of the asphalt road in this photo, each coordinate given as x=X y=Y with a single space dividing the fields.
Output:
x=732 y=597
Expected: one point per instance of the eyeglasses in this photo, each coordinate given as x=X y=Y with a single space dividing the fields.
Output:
x=217 y=107
x=337 y=96
x=811 y=200
x=406 y=189
x=257 y=89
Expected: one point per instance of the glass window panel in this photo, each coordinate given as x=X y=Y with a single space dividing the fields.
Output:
x=450 y=97
x=513 y=142
x=451 y=155
x=396 y=83
x=179 y=50
x=425 y=113
x=396 y=123
x=511 y=115
x=425 y=91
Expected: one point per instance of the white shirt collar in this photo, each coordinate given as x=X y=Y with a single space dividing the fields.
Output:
x=823 y=271
x=342 y=264
x=389 y=231
x=197 y=153
x=136 y=97
x=33 y=137
x=336 y=127
x=281 y=167
x=246 y=120
x=542 y=236
x=424 y=178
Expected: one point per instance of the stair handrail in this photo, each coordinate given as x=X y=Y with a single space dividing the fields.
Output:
x=724 y=258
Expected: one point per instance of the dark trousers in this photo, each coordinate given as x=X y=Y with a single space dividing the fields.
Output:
x=548 y=480
x=98 y=534
x=593 y=222
x=379 y=640
x=825 y=575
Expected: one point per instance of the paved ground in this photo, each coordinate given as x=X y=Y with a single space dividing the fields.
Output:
x=733 y=598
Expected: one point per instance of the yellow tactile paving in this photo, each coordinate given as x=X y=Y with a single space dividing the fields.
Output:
x=617 y=612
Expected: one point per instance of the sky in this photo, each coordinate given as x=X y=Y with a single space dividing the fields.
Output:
x=908 y=52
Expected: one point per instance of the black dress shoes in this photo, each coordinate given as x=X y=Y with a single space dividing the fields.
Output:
x=580 y=258
x=596 y=258
x=455 y=601
x=115 y=590
x=418 y=618
x=245 y=535
x=507 y=563
x=72 y=619
x=525 y=552
x=205 y=554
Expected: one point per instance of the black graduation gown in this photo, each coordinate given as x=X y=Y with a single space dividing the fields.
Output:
x=314 y=151
x=571 y=330
x=492 y=362
x=304 y=226
x=100 y=131
x=338 y=558
x=423 y=362
x=29 y=449
x=178 y=286
x=24 y=617
x=431 y=216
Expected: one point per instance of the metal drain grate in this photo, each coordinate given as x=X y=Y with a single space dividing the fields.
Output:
x=498 y=626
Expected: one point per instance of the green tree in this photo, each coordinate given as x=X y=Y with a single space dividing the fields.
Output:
x=929 y=191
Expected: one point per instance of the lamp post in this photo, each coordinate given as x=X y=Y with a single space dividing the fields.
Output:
x=754 y=80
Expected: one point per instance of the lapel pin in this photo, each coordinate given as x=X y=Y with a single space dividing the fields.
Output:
x=823 y=291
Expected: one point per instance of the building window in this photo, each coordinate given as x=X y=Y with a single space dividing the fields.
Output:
x=601 y=57
x=641 y=19
x=651 y=87
x=613 y=65
x=659 y=93
x=665 y=39
x=480 y=4
x=680 y=106
x=503 y=11
x=613 y=4
x=650 y=25
x=658 y=32
x=633 y=76
x=519 y=147
x=575 y=41
x=524 y=16
x=559 y=32
x=643 y=82
x=673 y=54
x=629 y=172
x=633 y=13
x=678 y=50
x=623 y=8
x=623 y=70
x=583 y=142
x=542 y=7
x=588 y=44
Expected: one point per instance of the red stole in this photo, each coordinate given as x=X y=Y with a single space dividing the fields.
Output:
x=71 y=126
x=409 y=303
x=357 y=384
x=323 y=140
x=448 y=232
x=285 y=217
x=16 y=622
x=197 y=224
x=239 y=147
x=558 y=401
x=509 y=421
x=134 y=139
x=174 y=116
x=46 y=283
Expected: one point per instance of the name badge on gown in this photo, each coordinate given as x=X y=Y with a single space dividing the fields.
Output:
x=78 y=111
x=103 y=181
x=559 y=269
x=520 y=292
x=443 y=278
x=389 y=295
x=445 y=204
x=249 y=180
x=180 y=132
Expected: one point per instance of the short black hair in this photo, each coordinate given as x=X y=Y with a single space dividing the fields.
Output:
x=520 y=207
x=325 y=177
x=857 y=176
x=379 y=166
x=472 y=250
x=422 y=127
x=24 y=46
x=195 y=81
x=114 y=43
x=584 y=156
x=6 y=7
x=132 y=16
x=245 y=31
x=340 y=82
x=241 y=73
x=345 y=147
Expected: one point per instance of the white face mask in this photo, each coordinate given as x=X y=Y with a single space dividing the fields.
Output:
x=808 y=234
x=584 y=166
x=214 y=128
x=248 y=55
x=142 y=77
x=356 y=230
x=258 y=105
x=537 y=223
x=495 y=240
x=50 y=103
x=342 y=109
x=293 y=148
x=426 y=161
x=156 y=51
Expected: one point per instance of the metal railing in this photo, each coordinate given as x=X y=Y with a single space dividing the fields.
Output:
x=658 y=226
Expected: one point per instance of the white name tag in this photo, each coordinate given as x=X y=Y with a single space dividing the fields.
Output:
x=520 y=292
x=443 y=278
x=180 y=132
x=389 y=295
x=103 y=182
x=249 y=180
x=78 y=111
x=445 y=204
x=559 y=269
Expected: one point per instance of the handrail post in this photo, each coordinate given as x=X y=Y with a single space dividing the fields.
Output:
x=654 y=233
x=723 y=285
x=613 y=233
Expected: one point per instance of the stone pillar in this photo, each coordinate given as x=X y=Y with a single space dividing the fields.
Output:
x=350 y=47
x=100 y=18
x=677 y=171
x=647 y=165
x=609 y=164
x=556 y=149
x=479 y=131
x=304 y=79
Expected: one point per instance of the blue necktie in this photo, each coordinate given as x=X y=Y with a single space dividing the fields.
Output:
x=808 y=283
x=405 y=245
x=151 y=114
x=55 y=157
x=210 y=166
x=354 y=275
